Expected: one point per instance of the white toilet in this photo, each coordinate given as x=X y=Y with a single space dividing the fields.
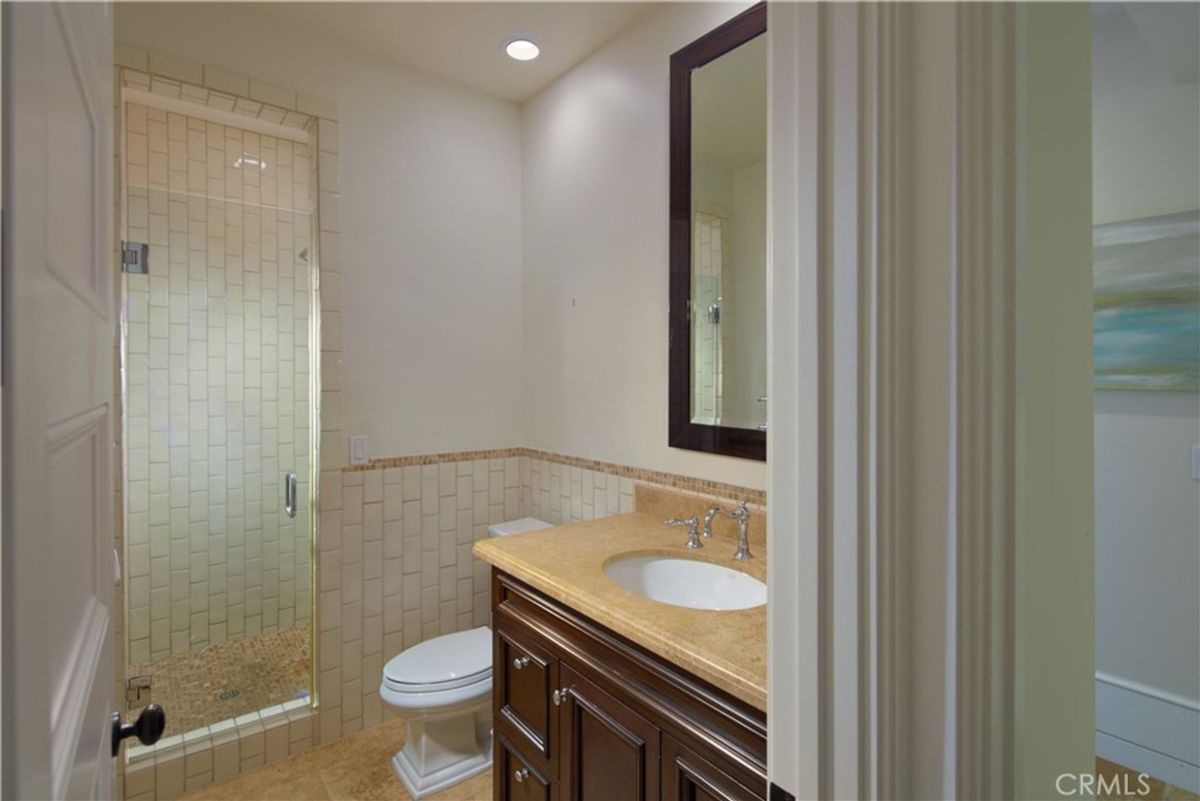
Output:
x=443 y=689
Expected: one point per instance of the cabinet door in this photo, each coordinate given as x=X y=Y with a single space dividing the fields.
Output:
x=687 y=776
x=608 y=750
x=525 y=674
x=515 y=779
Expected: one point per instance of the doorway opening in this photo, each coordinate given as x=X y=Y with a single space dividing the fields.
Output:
x=1146 y=356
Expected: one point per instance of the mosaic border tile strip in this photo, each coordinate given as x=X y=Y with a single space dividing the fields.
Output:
x=674 y=480
x=420 y=459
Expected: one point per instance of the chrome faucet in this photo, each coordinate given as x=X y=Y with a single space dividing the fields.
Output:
x=742 y=515
x=693 y=540
x=712 y=512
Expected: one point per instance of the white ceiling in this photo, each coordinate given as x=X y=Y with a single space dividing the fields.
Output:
x=464 y=42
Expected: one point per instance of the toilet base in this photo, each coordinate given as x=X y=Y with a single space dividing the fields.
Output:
x=439 y=753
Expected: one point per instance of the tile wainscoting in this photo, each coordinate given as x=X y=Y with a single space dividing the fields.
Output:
x=394 y=563
x=394 y=568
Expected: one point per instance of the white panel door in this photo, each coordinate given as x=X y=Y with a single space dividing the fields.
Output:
x=59 y=415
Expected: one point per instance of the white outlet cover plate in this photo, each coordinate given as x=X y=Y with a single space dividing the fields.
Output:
x=358 y=450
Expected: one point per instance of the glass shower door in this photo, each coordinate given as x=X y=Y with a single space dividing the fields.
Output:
x=216 y=343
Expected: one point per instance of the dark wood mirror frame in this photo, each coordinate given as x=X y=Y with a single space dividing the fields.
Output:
x=682 y=432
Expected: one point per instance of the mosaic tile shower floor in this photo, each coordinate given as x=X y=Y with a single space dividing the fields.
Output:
x=226 y=680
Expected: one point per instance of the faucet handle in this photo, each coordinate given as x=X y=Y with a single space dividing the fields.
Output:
x=693 y=540
x=742 y=515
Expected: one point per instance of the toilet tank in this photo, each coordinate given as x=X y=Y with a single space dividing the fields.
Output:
x=521 y=526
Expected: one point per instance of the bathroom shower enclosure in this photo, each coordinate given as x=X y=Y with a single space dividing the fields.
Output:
x=219 y=381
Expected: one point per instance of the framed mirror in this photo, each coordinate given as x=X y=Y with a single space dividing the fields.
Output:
x=718 y=329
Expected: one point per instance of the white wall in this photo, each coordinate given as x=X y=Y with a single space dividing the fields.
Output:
x=1144 y=152
x=430 y=182
x=746 y=299
x=1146 y=159
x=595 y=197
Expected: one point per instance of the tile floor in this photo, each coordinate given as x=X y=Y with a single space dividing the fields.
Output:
x=359 y=768
x=224 y=681
x=354 y=768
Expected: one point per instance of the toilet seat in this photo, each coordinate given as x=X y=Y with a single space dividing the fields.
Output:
x=450 y=662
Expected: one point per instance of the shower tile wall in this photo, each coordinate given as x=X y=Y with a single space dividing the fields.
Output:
x=217 y=383
x=710 y=241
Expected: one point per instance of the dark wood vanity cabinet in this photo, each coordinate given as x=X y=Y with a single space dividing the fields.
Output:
x=687 y=776
x=609 y=751
x=582 y=714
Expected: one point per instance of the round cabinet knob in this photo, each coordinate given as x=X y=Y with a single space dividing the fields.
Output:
x=520 y=662
x=559 y=696
x=521 y=774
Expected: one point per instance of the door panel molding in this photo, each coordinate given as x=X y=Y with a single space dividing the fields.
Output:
x=70 y=704
x=95 y=288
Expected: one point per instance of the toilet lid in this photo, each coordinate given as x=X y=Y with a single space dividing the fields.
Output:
x=443 y=663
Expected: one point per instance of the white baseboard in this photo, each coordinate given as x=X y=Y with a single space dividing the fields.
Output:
x=1148 y=730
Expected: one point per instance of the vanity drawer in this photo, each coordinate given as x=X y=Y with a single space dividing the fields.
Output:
x=526 y=674
x=516 y=779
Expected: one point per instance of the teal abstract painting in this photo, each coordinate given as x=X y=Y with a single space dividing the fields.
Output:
x=1146 y=328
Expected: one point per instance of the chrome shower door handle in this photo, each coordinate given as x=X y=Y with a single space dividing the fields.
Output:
x=289 y=495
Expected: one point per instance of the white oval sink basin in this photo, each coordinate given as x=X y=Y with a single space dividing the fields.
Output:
x=687 y=582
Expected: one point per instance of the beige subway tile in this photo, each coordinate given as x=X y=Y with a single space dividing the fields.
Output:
x=199 y=761
x=330 y=209
x=169 y=777
x=331 y=253
x=197 y=781
x=352 y=505
x=226 y=762
x=373 y=486
x=331 y=723
x=329 y=177
x=300 y=729
x=139 y=777
x=328 y=136
x=276 y=741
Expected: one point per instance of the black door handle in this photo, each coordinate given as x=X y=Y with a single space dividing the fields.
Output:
x=147 y=728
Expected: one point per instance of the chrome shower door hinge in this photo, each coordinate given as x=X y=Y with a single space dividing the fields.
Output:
x=135 y=257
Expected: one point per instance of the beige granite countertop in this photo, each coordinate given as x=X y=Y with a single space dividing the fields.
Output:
x=727 y=649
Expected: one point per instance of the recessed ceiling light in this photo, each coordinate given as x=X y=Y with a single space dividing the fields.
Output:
x=522 y=50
